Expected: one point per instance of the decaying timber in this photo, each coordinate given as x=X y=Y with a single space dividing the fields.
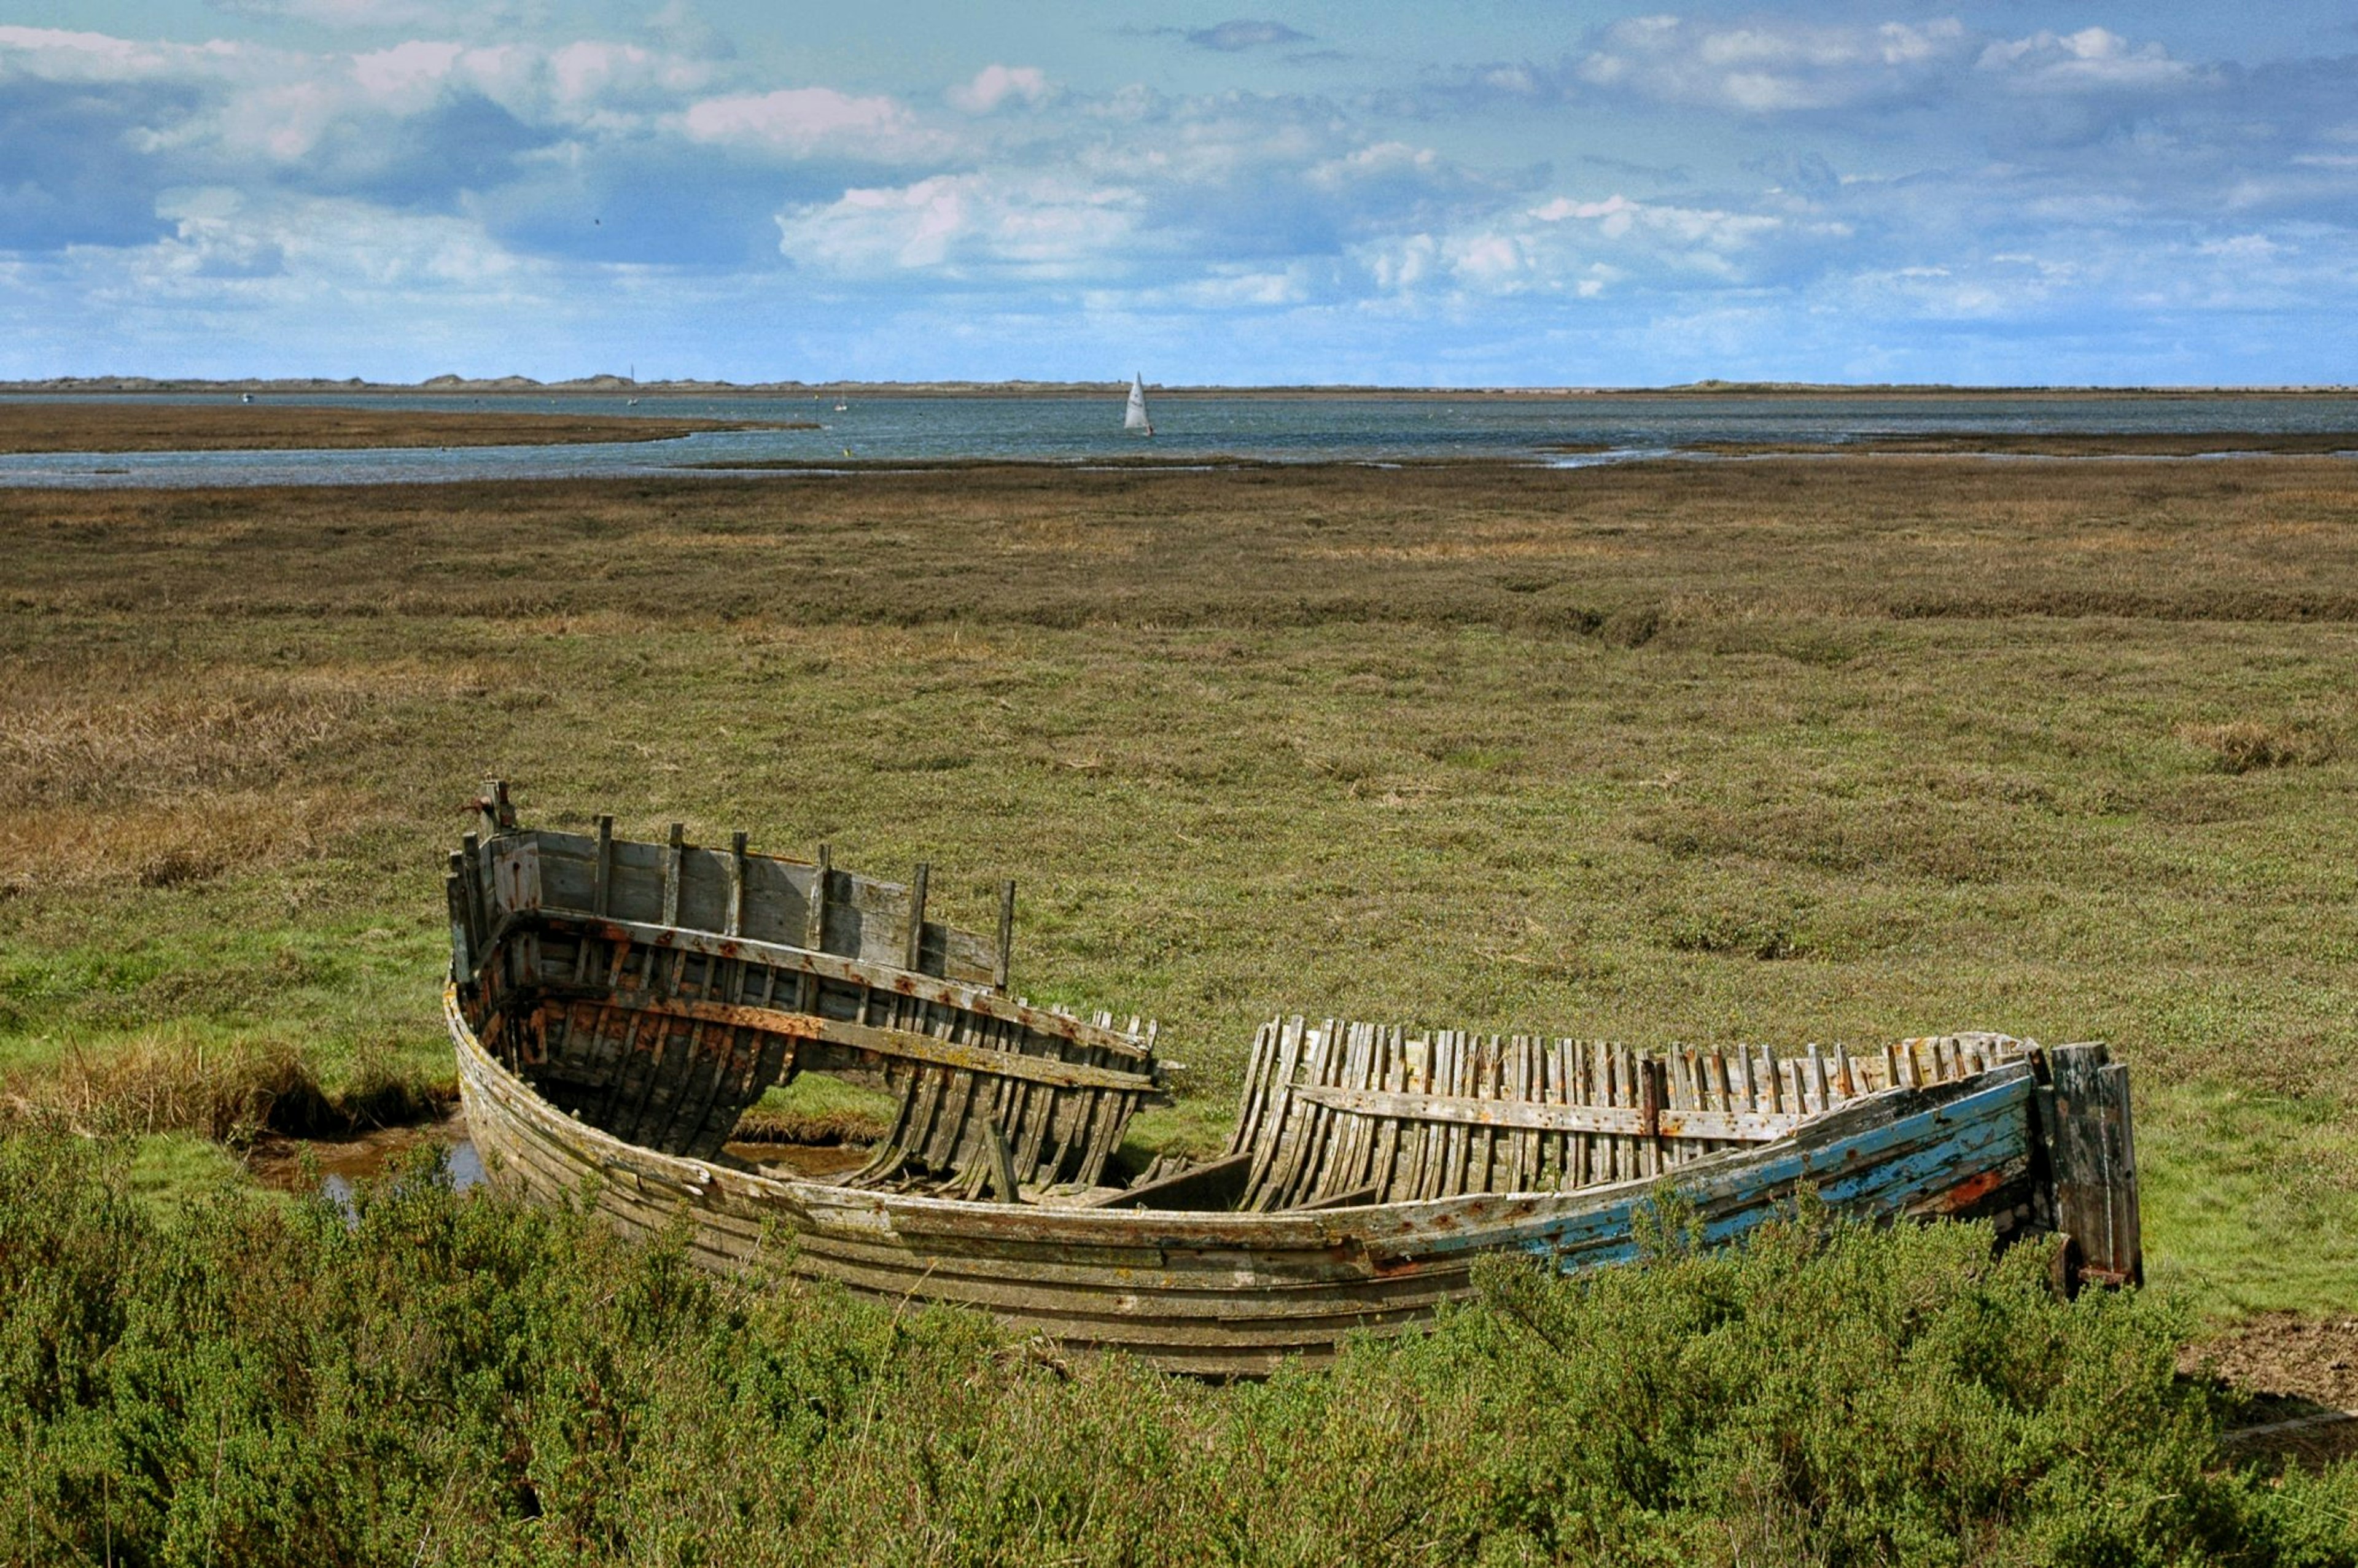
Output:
x=656 y=990
x=616 y=1005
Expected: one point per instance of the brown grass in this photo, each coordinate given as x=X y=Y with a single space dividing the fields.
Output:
x=169 y=1082
x=169 y=776
x=2057 y=444
x=2247 y=744
x=232 y=1091
x=84 y=425
x=56 y=748
x=170 y=843
x=1704 y=546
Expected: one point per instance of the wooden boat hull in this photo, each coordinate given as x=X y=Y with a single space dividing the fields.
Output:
x=1233 y=1294
x=616 y=1006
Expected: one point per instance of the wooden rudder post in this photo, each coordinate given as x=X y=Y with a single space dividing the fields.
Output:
x=2084 y=1121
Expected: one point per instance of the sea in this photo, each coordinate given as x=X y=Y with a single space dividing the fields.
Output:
x=1562 y=430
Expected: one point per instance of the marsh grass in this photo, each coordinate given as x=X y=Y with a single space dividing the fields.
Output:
x=96 y=425
x=228 y=1087
x=819 y=1111
x=1805 y=751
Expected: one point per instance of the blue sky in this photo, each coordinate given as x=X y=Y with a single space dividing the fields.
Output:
x=1539 y=193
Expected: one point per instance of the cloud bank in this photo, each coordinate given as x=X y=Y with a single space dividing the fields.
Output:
x=1659 y=198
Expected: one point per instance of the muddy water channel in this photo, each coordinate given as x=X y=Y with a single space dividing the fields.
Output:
x=336 y=1163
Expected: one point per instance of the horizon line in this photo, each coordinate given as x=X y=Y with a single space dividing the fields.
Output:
x=606 y=381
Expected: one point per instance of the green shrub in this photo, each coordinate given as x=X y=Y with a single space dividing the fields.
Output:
x=445 y=1379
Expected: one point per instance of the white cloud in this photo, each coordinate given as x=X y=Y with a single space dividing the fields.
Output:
x=406 y=73
x=230 y=248
x=1244 y=33
x=805 y=120
x=55 y=54
x=52 y=54
x=1379 y=160
x=1575 y=248
x=1782 y=67
x=995 y=85
x=1041 y=224
x=1617 y=217
x=1771 y=66
x=2094 y=58
x=441 y=15
x=1231 y=288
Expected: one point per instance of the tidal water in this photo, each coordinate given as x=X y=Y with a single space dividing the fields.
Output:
x=1602 y=428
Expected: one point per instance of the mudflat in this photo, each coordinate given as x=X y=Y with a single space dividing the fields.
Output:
x=89 y=425
x=2063 y=444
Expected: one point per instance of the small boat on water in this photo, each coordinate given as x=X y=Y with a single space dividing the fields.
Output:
x=617 y=1005
x=1133 y=417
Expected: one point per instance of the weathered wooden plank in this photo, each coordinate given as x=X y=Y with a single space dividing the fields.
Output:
x=2091 y=1154
x=1420 y=1150
x=1266 y=1145
x=1215 y=1184
x=1619 y=1090
x=1304 y=1119
x=1355 y=1149
x=1260 y=1069
x=1002 y=1165
x=1523 y=1177
x=1481 y=1141
x=1723 y=1091
x=1304 y=1126
x=902 y=1043
x=883 y=979
x=1450 y=1054
x=1325 y=1153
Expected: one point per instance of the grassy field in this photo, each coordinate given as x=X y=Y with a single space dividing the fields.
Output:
x=1789 y=750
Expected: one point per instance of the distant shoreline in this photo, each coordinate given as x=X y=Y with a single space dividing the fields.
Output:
x=99 y=425
x=507 y=387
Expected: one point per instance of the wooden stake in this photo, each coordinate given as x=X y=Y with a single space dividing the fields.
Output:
x=673 y=851
x=814 y=938
x=1006 y=934
x=736 y=922
x=917 y=915
x=2091 y=1162
x=601 y=891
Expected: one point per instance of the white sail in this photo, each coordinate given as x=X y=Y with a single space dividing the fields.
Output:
x=1134 y=416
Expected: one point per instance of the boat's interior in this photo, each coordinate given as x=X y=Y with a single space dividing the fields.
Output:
x=656 y=990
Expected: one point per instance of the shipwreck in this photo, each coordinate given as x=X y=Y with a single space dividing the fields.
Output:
x=617 y=1005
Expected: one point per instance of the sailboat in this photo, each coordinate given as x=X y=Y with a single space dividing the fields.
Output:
x=1134 y=416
